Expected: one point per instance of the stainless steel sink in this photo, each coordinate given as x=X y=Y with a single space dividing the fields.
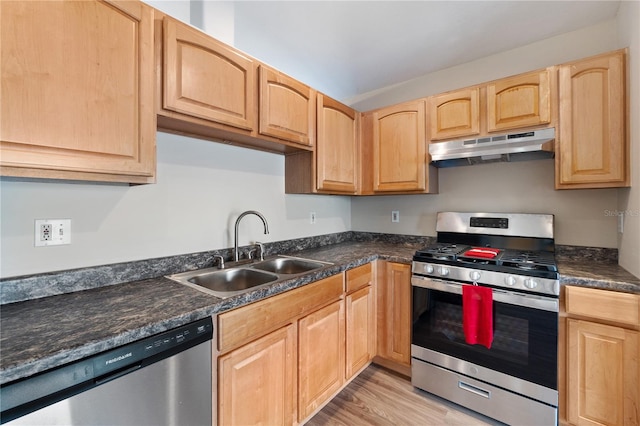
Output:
x=240 y=278
x=225 y=282
x=288 y=265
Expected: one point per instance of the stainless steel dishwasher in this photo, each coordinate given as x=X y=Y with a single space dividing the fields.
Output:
x=160 y=380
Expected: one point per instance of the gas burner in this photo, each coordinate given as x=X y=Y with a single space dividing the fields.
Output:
x=527 y=265
x=529 y=260
x=442 y=251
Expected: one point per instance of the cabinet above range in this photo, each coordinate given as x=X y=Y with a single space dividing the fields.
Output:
x=519 y=102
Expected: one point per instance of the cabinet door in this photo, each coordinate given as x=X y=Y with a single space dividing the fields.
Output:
x=521 y=101
x=320 y=357
x=593 y=147
x=77 y=90
x=287 y=108
x=399 y=144
x=336 y=147
x=205 y=78
x=360 y=317
x=394 y=314
x=256 y=383
x=454 y=114
x=603 y=374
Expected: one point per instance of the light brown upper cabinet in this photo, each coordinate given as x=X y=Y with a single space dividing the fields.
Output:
x=337 y=146
x=332 y=168
x=455 y=114
x=593 y=147
x=205 y=78
x=524 y=101
x=210 y=90
x=287 y=108
x=77 y=91
x=520 y=101
x=399 y=148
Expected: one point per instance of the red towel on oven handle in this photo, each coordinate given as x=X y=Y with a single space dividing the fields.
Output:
x=477 y=315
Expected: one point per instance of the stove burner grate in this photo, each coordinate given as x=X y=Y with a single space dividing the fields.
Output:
x=528 y=260
x=507 y=260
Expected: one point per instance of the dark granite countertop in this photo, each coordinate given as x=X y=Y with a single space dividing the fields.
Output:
x=605 y=276
x=39 y=334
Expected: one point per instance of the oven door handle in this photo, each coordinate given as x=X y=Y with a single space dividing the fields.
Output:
x=503 y=296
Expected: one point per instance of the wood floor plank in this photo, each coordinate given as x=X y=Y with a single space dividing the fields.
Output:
x=380 y=397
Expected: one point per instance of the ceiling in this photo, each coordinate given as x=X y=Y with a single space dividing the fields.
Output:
x=348 y=48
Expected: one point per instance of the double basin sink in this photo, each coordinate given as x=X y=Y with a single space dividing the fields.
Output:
x=239 y=279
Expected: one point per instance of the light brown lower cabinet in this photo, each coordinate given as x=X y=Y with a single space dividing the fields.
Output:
x=320 y=357
x=394 y=316
x=282 y=358
x=360 y=317
x=257 y=381
x=603 y=373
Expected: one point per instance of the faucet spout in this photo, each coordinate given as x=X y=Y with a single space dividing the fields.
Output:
x=235 y=240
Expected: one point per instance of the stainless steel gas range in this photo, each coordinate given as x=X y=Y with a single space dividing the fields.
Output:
x=485 y=315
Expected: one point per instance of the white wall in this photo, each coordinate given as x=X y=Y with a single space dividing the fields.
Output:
x=525 y=187
x=629 y=36
x=202 y=187
x=505 y=187
x=563 y=48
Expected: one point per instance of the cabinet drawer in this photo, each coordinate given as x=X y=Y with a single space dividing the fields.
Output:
x=603 y=304
x=358 y=277
x=247 y=323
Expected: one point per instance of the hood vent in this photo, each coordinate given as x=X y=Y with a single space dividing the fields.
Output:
x=533 y=145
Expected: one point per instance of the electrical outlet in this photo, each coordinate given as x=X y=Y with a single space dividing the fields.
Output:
x=312 y=217
x=52 y=232
x=395 y=216
x=45 y=232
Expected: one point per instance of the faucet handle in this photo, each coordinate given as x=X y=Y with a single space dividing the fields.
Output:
x=261 y=248
x=220 y=260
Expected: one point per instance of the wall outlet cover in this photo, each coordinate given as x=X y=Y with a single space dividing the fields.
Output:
x=52 y=232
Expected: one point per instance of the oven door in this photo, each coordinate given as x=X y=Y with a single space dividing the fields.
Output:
x=525 y=334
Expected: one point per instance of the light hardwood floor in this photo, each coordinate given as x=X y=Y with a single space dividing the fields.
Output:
x=380 y=397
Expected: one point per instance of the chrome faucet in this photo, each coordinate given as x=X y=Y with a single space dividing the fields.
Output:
x=235 y=242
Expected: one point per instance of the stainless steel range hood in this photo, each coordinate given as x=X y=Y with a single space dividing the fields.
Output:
x=532 y=145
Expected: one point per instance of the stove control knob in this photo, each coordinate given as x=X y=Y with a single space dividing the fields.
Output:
x=428 y=269
x=510 y=280
x=530 y=283
x=444 y=271
x=474 y=275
